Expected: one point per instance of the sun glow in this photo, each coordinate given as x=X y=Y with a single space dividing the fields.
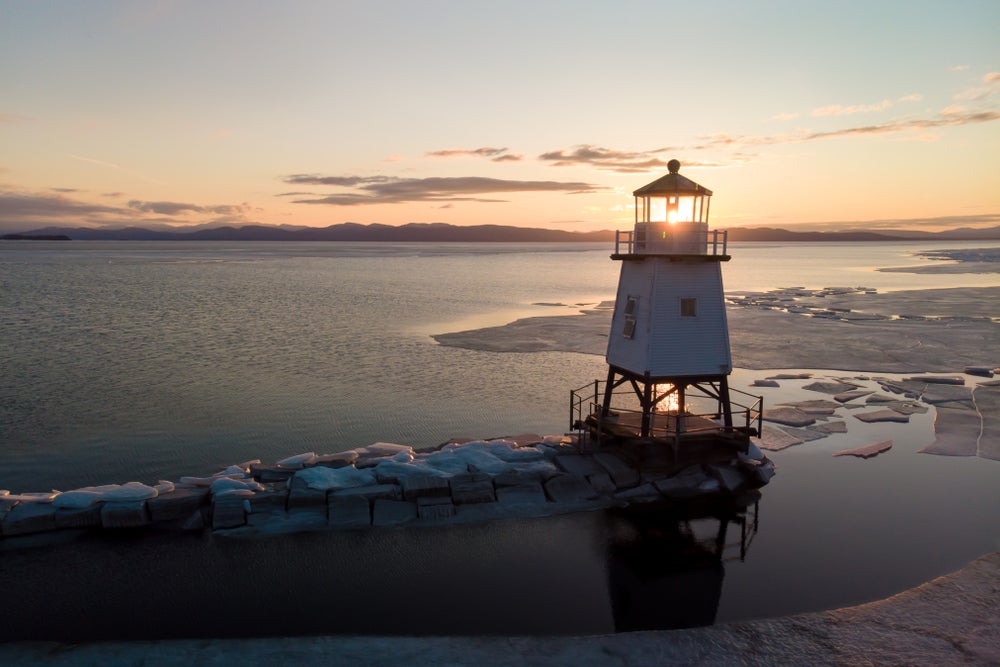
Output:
x=669 y=402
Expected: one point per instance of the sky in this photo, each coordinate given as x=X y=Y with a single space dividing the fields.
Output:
x=799 y=114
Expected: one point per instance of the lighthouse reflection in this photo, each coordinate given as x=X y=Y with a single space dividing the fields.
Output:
x=666 y=562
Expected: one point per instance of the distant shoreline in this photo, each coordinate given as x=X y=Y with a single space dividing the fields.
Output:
x=446 y=233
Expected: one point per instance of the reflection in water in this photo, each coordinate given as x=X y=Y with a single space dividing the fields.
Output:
x=647 y=567
x=666 y=562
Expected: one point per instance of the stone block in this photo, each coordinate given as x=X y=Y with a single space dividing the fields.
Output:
x=79 y=517
x=472 y=488
x=729 y=478
x=176 y=504
x=518 y=477
x=301 y=495
x=622 y=474
x=131 y=514
x=228 y=512
x=275 y=497
x=349 y=512
x=602 y=483
x=371 y=492
x=578 y=464
x=527 y=493
x=643 y=493
x=270 y=473
x=393 y=512
x=569 y=489
x=26 y=518
x=435 y=508
x=418 y=486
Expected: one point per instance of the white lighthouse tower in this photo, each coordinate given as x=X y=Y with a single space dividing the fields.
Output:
x=669 y=337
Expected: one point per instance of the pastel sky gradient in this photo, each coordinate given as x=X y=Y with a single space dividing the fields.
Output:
x=529 y=113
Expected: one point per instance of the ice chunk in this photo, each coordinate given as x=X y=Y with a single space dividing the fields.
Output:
x=511 y=453
x=788 y=416
x=298 y=461
x=328 y=479
x=129 y=492
x=388 y=449
x=403 y=457
x=231 y=471
x=238 y=493
x=224 y=484
x=867 y=451
x=447 y=461
x=77 y=498
x=164 y=486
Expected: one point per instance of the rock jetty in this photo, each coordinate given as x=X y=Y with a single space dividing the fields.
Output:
x=382 y=485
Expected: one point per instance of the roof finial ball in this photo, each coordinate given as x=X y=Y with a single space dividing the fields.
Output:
x=674 y=166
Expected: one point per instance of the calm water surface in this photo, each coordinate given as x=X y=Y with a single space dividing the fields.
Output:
x=146 y=361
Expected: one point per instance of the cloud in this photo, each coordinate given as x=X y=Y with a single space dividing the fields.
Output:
x=838 y=110
x=605 y=158
x=175 y=208
x=914 y=97
x=493 y=154
x=163 y=207
x=958 y=68
x=392 y=190
x=12 y=118
x=990 y=87
x=785 y=116
x=25 y=208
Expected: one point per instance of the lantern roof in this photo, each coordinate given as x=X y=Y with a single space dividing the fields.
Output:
x=672 y=184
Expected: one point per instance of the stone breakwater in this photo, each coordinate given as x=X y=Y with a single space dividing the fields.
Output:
x=381 y=485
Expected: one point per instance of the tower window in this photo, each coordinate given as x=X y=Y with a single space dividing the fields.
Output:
x=689 y=307
x=629 y=330
x=630 y=304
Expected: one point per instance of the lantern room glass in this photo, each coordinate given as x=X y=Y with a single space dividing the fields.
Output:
x=672 y=208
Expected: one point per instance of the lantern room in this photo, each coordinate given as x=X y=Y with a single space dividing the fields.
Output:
x=672 y=199
x=671 y=218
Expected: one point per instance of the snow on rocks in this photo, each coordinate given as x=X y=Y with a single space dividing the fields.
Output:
x=383 y=485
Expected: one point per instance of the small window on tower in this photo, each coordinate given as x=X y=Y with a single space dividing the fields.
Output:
x=689 y=307
x=630 y=304
x=629 y=330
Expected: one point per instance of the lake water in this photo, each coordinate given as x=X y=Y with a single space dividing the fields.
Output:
x=140 y=361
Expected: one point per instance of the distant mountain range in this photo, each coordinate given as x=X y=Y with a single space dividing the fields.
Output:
x=445 y=233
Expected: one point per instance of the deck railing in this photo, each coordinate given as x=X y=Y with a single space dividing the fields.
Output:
x=712 y=242
x=587 y=414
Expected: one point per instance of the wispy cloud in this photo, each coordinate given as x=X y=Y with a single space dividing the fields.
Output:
x=607 y=158
x=362 y=190
x=913 y=97
x=177 y=208
x=990 y=87
x=27 y=208
x=12 y=118
x=838 y=110
x=22 y=210
x=112 y=165
x=785 y=116
x=488 y=152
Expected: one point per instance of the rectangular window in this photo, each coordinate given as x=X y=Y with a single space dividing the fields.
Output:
x=629 y=330
x=689 y=307
x=630 y=304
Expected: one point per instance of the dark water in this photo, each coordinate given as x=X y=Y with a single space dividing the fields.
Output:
x=135 y=361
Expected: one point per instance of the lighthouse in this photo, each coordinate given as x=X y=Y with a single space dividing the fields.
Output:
x=669 y=338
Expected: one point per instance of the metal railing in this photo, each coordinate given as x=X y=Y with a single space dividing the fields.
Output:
x=587 y=413
x=712 y=242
